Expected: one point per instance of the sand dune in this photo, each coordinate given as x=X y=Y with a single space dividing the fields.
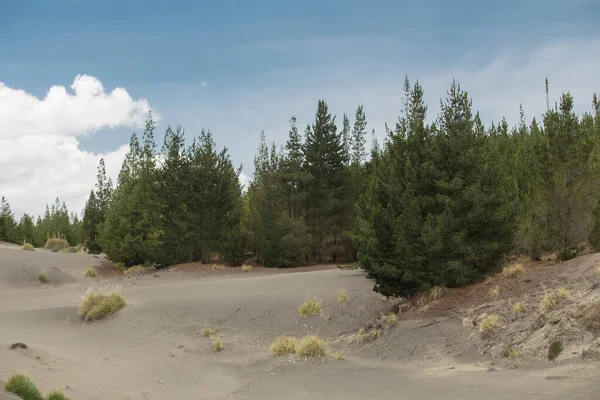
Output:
x=153 y=348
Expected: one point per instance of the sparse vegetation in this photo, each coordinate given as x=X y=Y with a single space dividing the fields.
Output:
x=598 y=270
x=18 y=345
x=510 y=352
x=100 y=302
x=120 y=266
x=56 y=395
x=554 y=350
x=311 y=346
x=367 y=335
x=340 y=356
x=42 y=277
x=21 y=385
x=284 y=345
x=207 y=333
x=552 y=298
x=70 y=249
x=56 y=244
x=246 y=268
x=310 y=308
x=136 y=269
x=562 y=294
x=494 y=292
x=518 y=308
x=390 y=320
x=218 y=345
x=90 y=272
x=512 y=271
x=217 y=267
x=591 y=317
x=489 y=323
x=28 y=247
x=342 y=296
x=436 y=293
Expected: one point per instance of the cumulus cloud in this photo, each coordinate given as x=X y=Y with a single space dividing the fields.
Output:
x=40 y=157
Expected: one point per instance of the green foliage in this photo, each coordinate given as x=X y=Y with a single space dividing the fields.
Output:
x=21 y=385
x=554 y=350
x=28 y=247
x=56 y=395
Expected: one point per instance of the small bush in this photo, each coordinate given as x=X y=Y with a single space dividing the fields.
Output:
x=598 y=269
x=512 y=271
x=510 y=352
x=310 y=308
x=518 y=308
x=120 y=266
x=489 y=323
x=367 y=336
x=340 y=356
x=42 y=277
x=562 y=294
x=218 y=345
x=551 y=299
x=436 y=293
x=206 y=333
x=390 y=320
x=246 y=268
x=311 y=346
x=554 y=350
x=591 y=317
x=494 y=292
x=56 y=395
x=567 y=254
x=342 y=296
x=56 y=244
x=70 y=249
x=100 y=302
x=90 y=272
x=217 y=267
x=18 y=345
x=134 y=270
x=21 y=385
x=28 y=247
x=284 y=345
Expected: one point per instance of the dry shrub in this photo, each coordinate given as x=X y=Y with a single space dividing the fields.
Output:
x=342 y=296
x=70 y=249
x=489 y=323
x=22 y=385
x=217 y=267
x=512 y=271
x=591 y=317
x=56 y=244
x=340 y=356
x=310 y=308
x=510 y=352
x=495 y=292
x=42 y=277
x=90 y=272
x=598 y=269
x=311 y=346
x=101 y=301
x=562 y=294
x=284 y=345
x=518 y=308
x=367 y=336
x=28 y=247
x=246 y=268
x=390 y=320
x=552 y=299
x=136 y=269
x=218 y=345
x=207 y=333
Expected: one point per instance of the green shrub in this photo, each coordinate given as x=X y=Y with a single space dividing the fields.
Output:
x=56 y=244
x=21 y=385
x=42 y=277
x=28 y=247
x=218 y=345
x=136 y=269
x=554 y=350
x=18 y=345
x=56 y=395
x=99 y=302
x=311 y=346
x=90 y=272
x=206 y=333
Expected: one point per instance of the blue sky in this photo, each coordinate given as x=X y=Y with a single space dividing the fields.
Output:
x=239 y=67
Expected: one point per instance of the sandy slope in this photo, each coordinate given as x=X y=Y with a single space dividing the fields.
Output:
x=153 y=349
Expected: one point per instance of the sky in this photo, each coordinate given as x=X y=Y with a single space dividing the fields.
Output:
x=78 y=77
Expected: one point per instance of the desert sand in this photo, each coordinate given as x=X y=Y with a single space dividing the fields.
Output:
x=154 y=347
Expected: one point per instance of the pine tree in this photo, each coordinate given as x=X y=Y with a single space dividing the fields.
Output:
x=7 y=222
x=359 y=132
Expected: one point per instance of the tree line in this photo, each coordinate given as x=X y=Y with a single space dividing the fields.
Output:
x=437 y=203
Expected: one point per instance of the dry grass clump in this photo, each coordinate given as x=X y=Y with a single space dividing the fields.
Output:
x=598 y=269
x=489 y=323
x=136 y=269
x=56 y=244
x=90 y=272
x=552 y=299
x=342 y=296
x=42 y=277
x=495 y=292
x=510 y=352
x=101 y=301
x=246 y=268
x=218 y=345
x=518 y=308
x=70 y=249
x=28 y=247
x=367 y=336
x=311 y=346
x=284 y=345
x=512 y=271
x=217 y=267
x=591 y=317
x=22 y=385
x=207 y=333
x=390 y=320
x=310 y=308
x=562 y=294
x=340 y=356
x=56 y=395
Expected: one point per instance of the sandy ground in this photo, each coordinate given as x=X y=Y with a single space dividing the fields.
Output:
x=153 y=348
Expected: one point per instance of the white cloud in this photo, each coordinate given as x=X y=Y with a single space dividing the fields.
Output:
x=40 y=158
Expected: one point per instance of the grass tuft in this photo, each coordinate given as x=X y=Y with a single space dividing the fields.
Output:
x=554 y=350
x=18 y=345
x=246 y=268
x=100 y=302
x=42 y=277
x=494 y=292
x=340 y=356
x=136 y=269
x=489 y=323
x=22 y=385
x=510 y=352
x=367 y=336
x=56 y=244
x=436 y=293
x=390 y=320
x=310 y=308
x=591 y=317
x=28 y=247
x=217 y=267
x=120 y=266
x=518 y=308
x=598 y=269
x=56 y=395
x=512 y=271
x=284 y=345
x=207 y=333
x=311 y=346
x=218 y=345
x=552 y=299
x=90 y=272
x=562 y=294
x=342 y=296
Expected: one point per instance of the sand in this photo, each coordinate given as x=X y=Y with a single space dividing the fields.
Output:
x=154 y=349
